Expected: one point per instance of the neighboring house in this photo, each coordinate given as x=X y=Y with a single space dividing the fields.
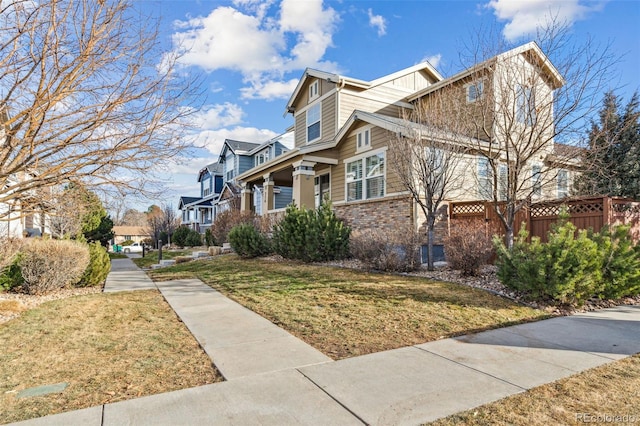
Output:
x=219 y=191
x=198 y=212
x=344 y=128
x=129 y=233
x=23 y=214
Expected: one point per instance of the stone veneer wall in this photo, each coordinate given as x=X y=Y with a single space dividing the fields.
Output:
x=391 y=214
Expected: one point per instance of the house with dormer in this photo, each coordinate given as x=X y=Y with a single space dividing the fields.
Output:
x=198 y=213
x=219 y=191
x=344 y=129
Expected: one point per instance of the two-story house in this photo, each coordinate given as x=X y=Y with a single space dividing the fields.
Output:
x=198 y=212
x=218 y=188
x=344 y=129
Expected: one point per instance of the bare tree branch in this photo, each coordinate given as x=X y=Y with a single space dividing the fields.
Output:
x=88 y=95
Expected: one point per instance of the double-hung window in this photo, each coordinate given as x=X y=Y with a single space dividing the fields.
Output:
x=313 y=123
x=485 y=179
x=526 y=105
x=563 y=183
x=365 y=177
x=206 y=187
x=536 y=180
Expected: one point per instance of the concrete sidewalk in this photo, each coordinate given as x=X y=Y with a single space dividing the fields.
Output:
x=275 y=379
x=126 y=276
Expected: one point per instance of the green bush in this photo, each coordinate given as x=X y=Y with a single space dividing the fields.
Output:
x=48 y=265
x=247 y=242
x=572 y=266
x=180 y=236
x=620 y=262
x=127 y=242
x=11 y=276
x=311 y=235
x=193 y=239
x=98 y=268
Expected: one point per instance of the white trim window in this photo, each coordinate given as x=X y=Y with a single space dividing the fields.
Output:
x=206 y=187
x=485 y=179
x=314 y=90
x=536 y=180
x=365 y=177
x=475 y=90
x=263 y=157
x=563 y=183
x=363 y=139
x=526 y=105
x=313 y=123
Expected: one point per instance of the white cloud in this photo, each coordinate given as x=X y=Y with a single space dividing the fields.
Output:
x=434 y=60
x=212 y=140
x=524 y=16
x=377 y=21
x=269 y=90
x=219 y=115
x=248 y=39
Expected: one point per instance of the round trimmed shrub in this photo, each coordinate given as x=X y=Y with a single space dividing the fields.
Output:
x=49 y=265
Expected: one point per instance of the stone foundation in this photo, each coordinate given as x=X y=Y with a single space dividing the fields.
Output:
x=392 y=214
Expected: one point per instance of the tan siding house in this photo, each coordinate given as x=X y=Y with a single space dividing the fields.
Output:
x=345 y=127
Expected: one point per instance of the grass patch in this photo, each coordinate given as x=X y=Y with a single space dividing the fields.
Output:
x=609 y=390
x=346 y=313
x=151 y=257
x=117 y=256
x=108 y=347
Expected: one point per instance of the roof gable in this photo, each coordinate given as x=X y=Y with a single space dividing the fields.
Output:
x=236 y=147
x=530 y=50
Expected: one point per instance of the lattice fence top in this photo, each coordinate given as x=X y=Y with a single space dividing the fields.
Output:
x=541 y=209
x=625 y=207
x=468 y=209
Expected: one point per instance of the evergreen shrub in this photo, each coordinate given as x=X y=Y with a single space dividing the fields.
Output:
x=311 y=235
x=248 y=242
x=98 y=268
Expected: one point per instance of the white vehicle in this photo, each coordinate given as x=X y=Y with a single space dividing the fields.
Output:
x=133 y=248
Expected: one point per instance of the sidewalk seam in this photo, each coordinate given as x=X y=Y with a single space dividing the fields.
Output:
x=332 y=397
x=471 y=368
x=102 y=415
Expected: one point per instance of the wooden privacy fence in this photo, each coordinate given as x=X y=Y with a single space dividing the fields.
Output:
x=538 y=217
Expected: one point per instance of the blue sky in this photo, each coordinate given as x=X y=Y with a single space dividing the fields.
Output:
x=252 y=53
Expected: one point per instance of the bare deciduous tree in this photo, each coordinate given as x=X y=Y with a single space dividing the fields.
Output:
x=425 y=157
x=161 y=220
x=525 y=100
x=86 y=95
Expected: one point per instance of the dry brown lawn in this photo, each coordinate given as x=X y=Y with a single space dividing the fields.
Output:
x=344 y=312
x=609 y=394
x=107 y=347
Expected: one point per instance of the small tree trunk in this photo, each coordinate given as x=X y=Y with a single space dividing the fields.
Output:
x=508 y=237
x=430 y=237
